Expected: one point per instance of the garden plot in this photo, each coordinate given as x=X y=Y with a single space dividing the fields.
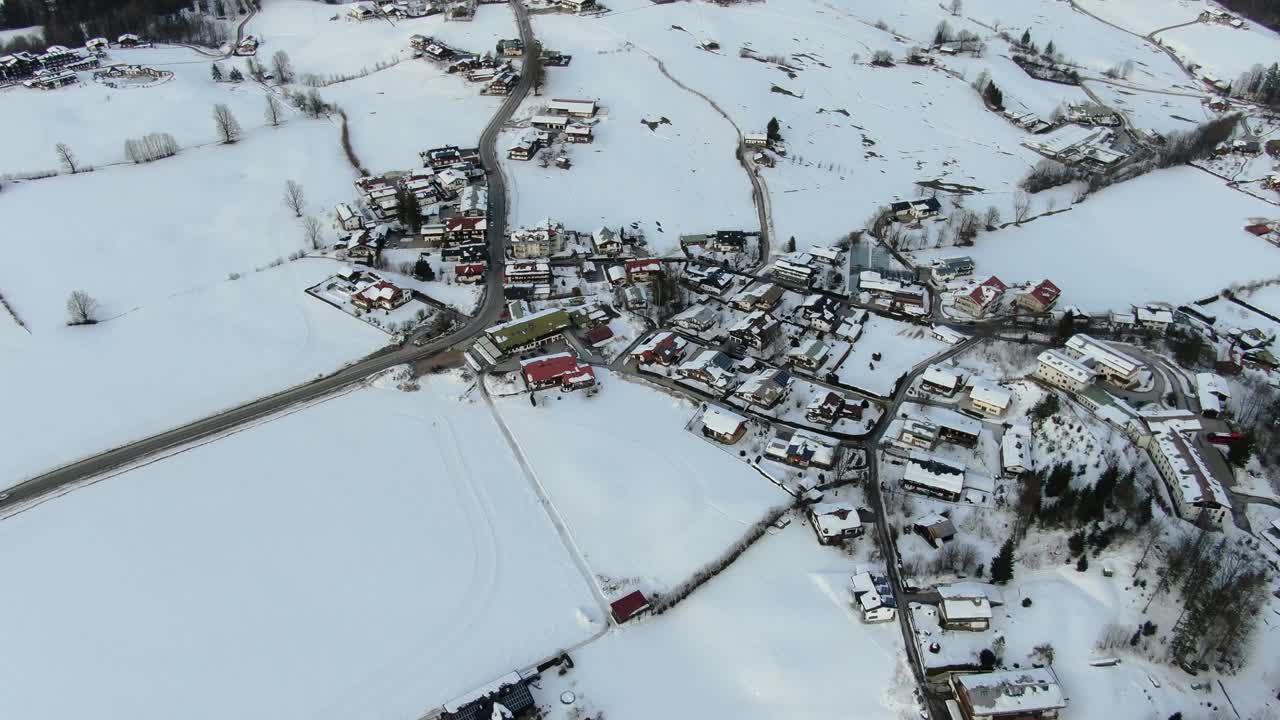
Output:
x=95 y=120
x=276 y=583
x=1171 y=236
x=686 y=166
x=901 y=347
x=1221 y=50
x=773 y=636
x=646 y=501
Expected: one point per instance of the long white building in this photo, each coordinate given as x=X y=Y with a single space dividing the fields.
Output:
x=1189 y=480
x=1114 y=365
x=1063 y=371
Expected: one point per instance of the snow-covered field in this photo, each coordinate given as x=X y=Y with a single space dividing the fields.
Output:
x=1222 y=50
x=679 y=177
x=251 y=578
x=1144 y=16
x=772 y=637
x=1172 y=236
x=901 y=347
x=1156 y=112
x=647 y=501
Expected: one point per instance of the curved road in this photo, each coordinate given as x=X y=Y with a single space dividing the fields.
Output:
x=488 y=313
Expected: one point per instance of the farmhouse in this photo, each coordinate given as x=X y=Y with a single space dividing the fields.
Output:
x=1197 y=493
x=757 y=329
x=579 y=133
x=941 y=381
x=643 y=269
x=697 y=318
x=1212 y=393
x=934 y=476
x=965 y=613
x=1023 y=694
x=766 y=388
x=509 y=692
x=711 y=368
x=913 y=210
x=561 y=370
x=361 y=12
x=794 y=269
x=526 y=146
x=755 y=140
x=1040 y=298
x=983 y=298
x=834 y=522
x=347 y=218
x=723 y=426
x=1061 y=370
x=572 y=108
x=803 y=449
x=606 y=241
x=663 y=348
x=810 y=354
x=1015 y=450
x=380 y=295
x=1115 y=366
x=990 y=400
x=629 y=606
x=549 y=122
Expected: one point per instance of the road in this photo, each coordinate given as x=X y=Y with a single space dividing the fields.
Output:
x=487 y=315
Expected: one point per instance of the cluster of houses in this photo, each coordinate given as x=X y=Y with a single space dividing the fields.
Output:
x=53 y=68
x=493 y=70
x=1088 y=148
x=985 y=297
x=1221 y=17
x=365 y=290
x=570 y=120
x=1269 y=230
x=550 y=239
x=396 y=10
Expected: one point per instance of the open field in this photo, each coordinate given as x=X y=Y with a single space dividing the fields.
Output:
x=1222 y=50
x=251 y=578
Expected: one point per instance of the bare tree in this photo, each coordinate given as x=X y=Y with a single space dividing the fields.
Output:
x=991 y=217
x=274 y=110
x=281 y=67
x=956 y=7
x=313 y=231
x=1021 y=206
x=81 y=309
x=227 y=125
x=67 y=158
x=294 y=199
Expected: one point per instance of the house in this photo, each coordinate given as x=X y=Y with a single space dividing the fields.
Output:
x=1122 y=321
x=560 y=370
x=1061 y=370
x=823 y=314
x=711 y=368
x=983 y=298
x=469 y=273
x=766 y=388
x=1196 y=491
x=825 y=254
x=51 y=81
x=526 y=146
x=97 y=45
x=361 y=12
x=990 y=400
x=128 y=40
x=535 y=242
x=931 y=475
x=727 y=241
x=459 y=230
x=629 y=606
x=1022 y=694
x=643 y=269
x=907 y=297
x=606 y=241
x=473 y=201
x=794 y=269
x=723 y=426
x=697 y=318
x=826 y=409
x=934 y=528
x=578 y=6
x=1040 y=298
x=1153 y=317
x=711 y=280
x=950 y=268
x=509 y=692
x=1212 y=393
x=510 y=48
x=1015 y=450
x=361 y=248
x=380 y=295
x=532 y=330
x=947 y=335
x=1117 y=367
x=756 y=329
x=442 y=157
x=634 y=297
x=917 y=433
x=579 y=133
x=527 y=272
x=874 y=596
x=965 y=613
x=954 y=427
x=663 y=348
x=938 y=380
x=765 y=296
x=913 y=210
x=599 y=335
x=755 y=140
x=451 y=181
x=347 y=218
x=810 y=354
x=835 y=522
x=803 y=449
x=572 y=108
x=553 y=123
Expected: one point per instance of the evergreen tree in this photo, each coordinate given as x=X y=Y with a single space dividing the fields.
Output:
x=1066 y=326
x=1271 y=84
x=1076 y=542
x=773 y=129
x=216 y=71
x=993 y=96
x=1083 y=563
x=235 y=75
x=791 y=244
x=1002 y=564
x=1240 y=450
x=1059 y=479
x=1049 y=50
x=1026 y=38
x=422 y=269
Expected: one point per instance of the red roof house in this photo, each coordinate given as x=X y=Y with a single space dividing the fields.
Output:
x=561 y=369
x=465 y=228
x=599 y=334
x=629 y=606
x=469 y=272
x=982 y=298
x=1040 y=298
x=643 y=268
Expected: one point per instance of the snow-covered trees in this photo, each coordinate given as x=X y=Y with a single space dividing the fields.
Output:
x=281 y=67
x=81 y=309
x=225 y=123
x=153 y=146
x=216 y=71
x=235 y=75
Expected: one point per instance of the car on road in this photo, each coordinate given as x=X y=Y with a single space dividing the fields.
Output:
x=1226 y=438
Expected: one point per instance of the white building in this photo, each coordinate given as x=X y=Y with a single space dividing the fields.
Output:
x=941 y=381
x=1213 y=394
x=931 y=475
x=1061 y=370
x=1115 y=366
x=1015 y=450
x=1190 y=482
x=835 y=521
x=1024 y=694
x=990 y=400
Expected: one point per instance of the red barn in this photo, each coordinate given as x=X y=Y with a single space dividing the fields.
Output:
x=629 y=606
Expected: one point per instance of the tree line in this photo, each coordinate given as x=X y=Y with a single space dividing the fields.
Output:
x=1266 y=12
x=71 y=22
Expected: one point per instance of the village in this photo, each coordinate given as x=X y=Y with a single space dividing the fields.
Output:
x=953 y=482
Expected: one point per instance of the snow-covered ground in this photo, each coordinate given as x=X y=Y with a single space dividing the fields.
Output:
x=647 y=501
x=1172 y=235
x=1144 y=16
x=269 y=582
x=1155 y=112
x=901 y=347
x=1222 y=50
x=773 y=636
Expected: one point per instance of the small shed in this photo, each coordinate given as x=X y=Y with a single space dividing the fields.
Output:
x=629 y=606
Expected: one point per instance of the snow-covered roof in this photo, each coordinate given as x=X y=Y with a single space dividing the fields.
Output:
x=511 y=678
x=1195 y=483
x=1012 y=692
x=1090 y=347
x=573 y=106
x=947 y=335
x=932 y=471
x=942 y=377
x=966 y=609
x=1060 y=361
x=971 y=589
x=1015 y=448
x=835 y=518
x=990 y=395
x=722 y=421
x=1156 y=315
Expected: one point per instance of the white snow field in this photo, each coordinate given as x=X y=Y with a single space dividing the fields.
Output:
x=1222 y=50
x=1173 y=235
x=1144 y=16
x=771 y=637
x=281 y=574
x=647 y=500
x=1153 y=111
x=680 y=177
